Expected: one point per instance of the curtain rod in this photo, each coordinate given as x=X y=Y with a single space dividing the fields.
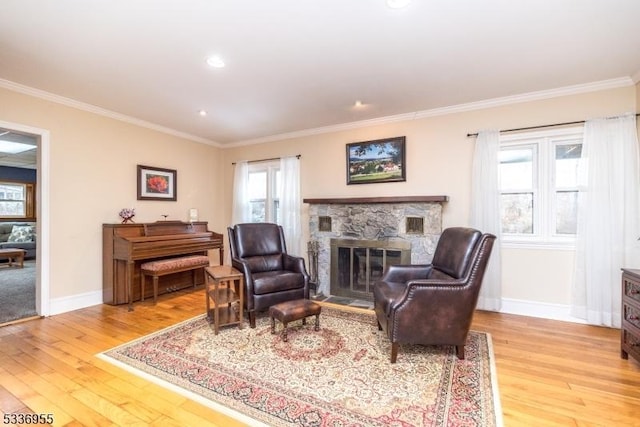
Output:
x=268 y=160
x=579 y=122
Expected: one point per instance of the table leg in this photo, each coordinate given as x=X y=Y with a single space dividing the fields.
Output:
x=207 y=281
x=241 y=303
x=216 y=311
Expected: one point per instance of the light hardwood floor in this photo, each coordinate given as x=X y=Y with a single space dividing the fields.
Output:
x=549 y=373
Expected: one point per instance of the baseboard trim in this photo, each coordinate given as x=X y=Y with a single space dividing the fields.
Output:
x=75 y=302
x=509 y=306
x=539 y=309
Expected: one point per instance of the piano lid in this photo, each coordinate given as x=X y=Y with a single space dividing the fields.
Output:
x=161 y=228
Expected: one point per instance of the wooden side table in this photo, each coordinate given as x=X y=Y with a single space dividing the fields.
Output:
x=224 y=295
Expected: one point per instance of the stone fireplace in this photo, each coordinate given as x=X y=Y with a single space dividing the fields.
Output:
x=356 y=238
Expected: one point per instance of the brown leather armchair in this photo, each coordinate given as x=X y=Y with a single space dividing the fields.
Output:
x=433 y=304
x=271 y=276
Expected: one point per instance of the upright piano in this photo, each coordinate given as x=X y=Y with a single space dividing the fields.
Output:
x=126 y=246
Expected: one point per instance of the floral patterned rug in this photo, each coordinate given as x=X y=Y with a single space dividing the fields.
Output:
x=337 y=376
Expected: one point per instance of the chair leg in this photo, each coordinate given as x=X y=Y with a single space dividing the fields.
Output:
x=379 y=326
x=142 y=277
x=252 y=319
x=460 y=352
x=394 y=352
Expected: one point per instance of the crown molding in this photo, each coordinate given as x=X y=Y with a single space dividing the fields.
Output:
x=471 y=106
x=531 y=96
x=37 y=93
x=323 y=130
x=479 y=105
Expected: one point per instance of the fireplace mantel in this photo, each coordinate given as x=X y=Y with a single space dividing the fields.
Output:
x=357 y=200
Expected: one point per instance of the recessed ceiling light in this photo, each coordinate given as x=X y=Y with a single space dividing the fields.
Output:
x=398 y=4
x=202 y=113
x=215 y=62
x=358 y=103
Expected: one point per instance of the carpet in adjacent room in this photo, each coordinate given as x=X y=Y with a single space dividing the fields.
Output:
x=17 y=292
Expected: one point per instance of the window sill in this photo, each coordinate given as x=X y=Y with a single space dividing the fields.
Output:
x=552 y=246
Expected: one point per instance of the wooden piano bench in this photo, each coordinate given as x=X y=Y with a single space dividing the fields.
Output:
x=162 y=267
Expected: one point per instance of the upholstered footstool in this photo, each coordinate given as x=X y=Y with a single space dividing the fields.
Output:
x=289 y=311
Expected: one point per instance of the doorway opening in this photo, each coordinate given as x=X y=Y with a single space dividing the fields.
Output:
x=24 y=290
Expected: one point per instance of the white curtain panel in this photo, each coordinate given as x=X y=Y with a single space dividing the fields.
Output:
x=608 y=217
x=485 y=213
x=290 y=204
x=241 y=209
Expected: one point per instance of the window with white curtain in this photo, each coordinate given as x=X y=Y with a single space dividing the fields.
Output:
x=264 y=179
x=538 y=186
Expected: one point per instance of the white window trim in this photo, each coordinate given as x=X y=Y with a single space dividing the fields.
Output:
x=24 y=200
x=539 y=240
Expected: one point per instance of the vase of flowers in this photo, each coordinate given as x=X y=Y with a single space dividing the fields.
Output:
x=127 y=215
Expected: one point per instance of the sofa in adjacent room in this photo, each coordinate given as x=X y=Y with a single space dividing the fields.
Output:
x=20 y=235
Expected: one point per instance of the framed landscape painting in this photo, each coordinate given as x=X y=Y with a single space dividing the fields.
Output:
x=157 y=183
x=381 y=160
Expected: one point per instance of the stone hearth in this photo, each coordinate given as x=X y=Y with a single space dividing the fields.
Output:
x=379 y=218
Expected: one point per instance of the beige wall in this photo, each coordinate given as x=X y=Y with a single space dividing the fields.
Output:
x=93 y=175
x=439 y=156
x=93 y=161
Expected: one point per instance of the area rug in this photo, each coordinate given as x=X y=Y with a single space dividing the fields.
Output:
x=17 y=292
x=337 y=376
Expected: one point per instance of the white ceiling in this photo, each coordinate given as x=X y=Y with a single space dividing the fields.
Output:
x=295 y=65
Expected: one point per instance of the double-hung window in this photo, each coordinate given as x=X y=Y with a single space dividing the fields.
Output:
x=16 y=200
x=539 y=186
x=264 y=181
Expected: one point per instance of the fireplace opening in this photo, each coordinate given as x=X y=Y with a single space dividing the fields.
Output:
x=356 y=264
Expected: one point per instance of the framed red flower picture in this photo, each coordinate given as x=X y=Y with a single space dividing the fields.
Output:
x=157 y=183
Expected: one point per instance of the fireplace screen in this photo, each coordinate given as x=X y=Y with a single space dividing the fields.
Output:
x=357 y=264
